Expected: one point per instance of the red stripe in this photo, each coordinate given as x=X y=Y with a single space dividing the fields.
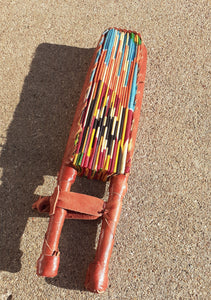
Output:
x=113 y=157
x=128 y=126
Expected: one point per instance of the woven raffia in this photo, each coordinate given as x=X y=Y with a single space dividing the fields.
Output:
x=109 y=103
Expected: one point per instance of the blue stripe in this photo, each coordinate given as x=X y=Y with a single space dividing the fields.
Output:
x=107 y=39
x=110 y=46
x=131 y=56
x=118 y=33
x=133 y=89
x=123 y=52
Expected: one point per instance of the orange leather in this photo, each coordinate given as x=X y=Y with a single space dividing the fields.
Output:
x=66 y=177
x=97 y=274
x=78 y=206
x=81 y=203
x=47 y=266
x=42 y=205
x=48 y=262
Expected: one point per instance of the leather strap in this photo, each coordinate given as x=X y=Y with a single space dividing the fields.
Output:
x=81 y=203
x=78 y=206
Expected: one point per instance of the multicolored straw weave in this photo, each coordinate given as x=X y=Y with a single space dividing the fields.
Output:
x=103 y=143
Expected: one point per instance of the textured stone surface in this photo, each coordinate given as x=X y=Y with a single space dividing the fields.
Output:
x=161 y=246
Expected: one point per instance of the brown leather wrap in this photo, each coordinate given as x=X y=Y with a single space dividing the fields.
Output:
x=48 y=262
x=97 y=274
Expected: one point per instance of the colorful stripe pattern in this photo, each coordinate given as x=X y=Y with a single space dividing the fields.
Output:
x=102 y=145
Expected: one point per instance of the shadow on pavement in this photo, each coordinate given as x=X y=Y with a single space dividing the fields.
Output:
x=36 y=141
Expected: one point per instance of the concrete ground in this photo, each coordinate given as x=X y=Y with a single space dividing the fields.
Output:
x=161 y=245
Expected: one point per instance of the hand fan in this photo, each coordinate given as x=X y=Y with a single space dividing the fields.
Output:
x=100 y=146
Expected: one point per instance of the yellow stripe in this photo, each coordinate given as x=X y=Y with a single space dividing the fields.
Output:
x=107 y=162
x=123 y=162
x=113 y=98
x=116 y=158
x=124 y=127
x=75 y=159
x=90 y=143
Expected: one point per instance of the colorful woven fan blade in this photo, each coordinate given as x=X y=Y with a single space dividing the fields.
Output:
x=106 y=121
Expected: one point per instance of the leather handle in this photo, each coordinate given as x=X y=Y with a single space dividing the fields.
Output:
x=48 y=262
x=97 y=273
